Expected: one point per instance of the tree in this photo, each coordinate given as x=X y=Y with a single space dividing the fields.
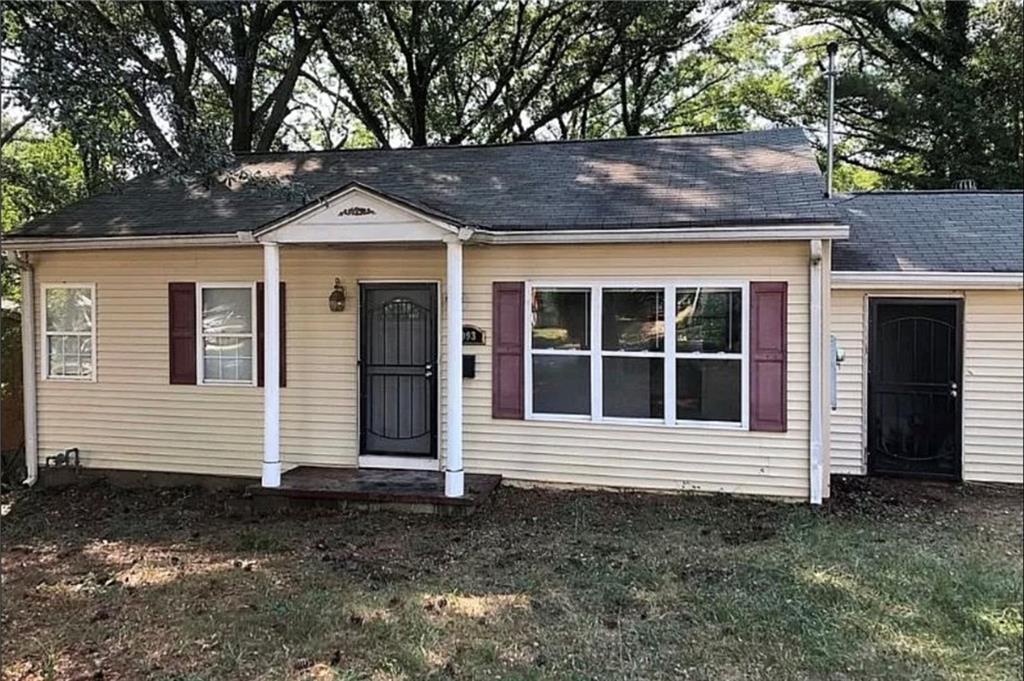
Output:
x=441 y=72
x=928 y=94
x=185 y=75
x=41 y=173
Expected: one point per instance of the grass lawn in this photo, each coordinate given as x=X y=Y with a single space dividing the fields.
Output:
x=890 y=581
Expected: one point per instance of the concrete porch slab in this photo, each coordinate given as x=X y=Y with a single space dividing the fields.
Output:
x=373 y=489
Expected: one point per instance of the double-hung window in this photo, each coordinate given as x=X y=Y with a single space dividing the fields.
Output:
x=633 y=353
x=69 y=325
x=227 y=334
x=666 y=352
x=560 y=351
x=709 y=354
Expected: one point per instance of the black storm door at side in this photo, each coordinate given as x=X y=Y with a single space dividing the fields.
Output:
x=914 y=388
x=398 y=369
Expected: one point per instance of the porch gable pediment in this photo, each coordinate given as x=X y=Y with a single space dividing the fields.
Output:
x=360 y=214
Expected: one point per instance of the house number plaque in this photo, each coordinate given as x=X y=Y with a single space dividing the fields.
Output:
x=472 y=335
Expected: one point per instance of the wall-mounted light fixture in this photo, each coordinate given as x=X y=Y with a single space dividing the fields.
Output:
x=337 y=299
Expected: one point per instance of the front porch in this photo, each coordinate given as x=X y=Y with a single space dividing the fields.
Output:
x=385 y=489
x=409 y=396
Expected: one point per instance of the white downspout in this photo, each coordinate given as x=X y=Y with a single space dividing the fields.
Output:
x=454 y=477
x=271 y=476
x=28 y=367
x=817 y=321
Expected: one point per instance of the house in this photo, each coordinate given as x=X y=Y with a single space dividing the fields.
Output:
x=646 y=313
x=927 y=304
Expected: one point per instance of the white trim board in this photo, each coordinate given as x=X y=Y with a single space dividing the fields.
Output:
x=33 y=244
x=409 y=463
x=662 y=235
x=918 y=280
x=480 y=235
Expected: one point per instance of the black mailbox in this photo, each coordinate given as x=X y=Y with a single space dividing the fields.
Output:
x=469 y=366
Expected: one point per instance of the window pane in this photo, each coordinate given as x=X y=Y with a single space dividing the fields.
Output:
x=227 y=310
x=634 y=387
x=561 y=319
x=561 y=384
x=56 y=350
x=85 y=352
x=68 y=309
x=69 y=355
x=227 y=358
x=633 y=319
x=708 y=389
x=709 y=320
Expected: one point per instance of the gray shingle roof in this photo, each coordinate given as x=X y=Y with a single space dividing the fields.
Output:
x=941 y=231
x=748 y=178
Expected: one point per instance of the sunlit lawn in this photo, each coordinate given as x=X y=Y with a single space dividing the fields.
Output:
x=892 y=581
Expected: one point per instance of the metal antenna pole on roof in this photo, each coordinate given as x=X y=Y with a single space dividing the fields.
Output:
x=833 y=47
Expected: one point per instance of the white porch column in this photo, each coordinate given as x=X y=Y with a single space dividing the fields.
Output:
x=454 y=482
x=271 y=365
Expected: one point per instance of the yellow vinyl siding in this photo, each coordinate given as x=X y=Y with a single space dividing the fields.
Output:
x=640 y=456
x=994 y=386
x=993 y=376
x=847 y=325
x=132 y=418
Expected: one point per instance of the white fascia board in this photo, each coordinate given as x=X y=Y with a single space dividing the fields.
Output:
x=610 y=236
x=926 y=280
x=664 y=235
x=31 y=244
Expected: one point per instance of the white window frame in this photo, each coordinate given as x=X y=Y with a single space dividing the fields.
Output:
x=45 y=333
x=200 y=364
x=530 y=352
x=669 y=355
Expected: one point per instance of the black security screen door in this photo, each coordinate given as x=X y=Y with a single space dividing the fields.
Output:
x=914 y=388
x=398 y=369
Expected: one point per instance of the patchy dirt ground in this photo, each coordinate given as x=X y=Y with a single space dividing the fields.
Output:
x=891 y=580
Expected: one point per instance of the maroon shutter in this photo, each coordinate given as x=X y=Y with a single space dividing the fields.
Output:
x=181 y=329
x=507 y=358
x=259 y=335
x=768 y=356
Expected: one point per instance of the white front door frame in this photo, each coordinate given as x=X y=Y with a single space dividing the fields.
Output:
x=411 y=463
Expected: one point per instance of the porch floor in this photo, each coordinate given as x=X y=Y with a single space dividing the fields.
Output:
x=406 y=490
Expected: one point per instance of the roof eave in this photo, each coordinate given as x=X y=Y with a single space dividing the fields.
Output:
x=876 y=280
x=49 y=243
x=767 y=232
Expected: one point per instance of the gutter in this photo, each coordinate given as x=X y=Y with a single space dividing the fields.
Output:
x=917 y=280
x=663 y=235
x=478 y=235
x=28 y=367
x=42 y=243
x=817 y=480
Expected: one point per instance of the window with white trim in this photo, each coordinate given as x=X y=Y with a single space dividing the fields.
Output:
x=709 y=354
x=227 y=334
x=666 y=353
x=633 y=352
x=69 y=326
x=560 y=349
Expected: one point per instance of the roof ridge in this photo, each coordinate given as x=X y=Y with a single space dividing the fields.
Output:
x=526 y=143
